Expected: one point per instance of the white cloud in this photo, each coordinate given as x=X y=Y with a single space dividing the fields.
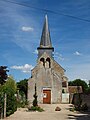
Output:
x=80 y=71
x=58 y=56
x=26 y=29
x=24 y=68
x=35 y=52
x=77 y=53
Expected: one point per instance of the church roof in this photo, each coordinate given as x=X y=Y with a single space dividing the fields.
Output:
x=58 y=65
x=45 y=38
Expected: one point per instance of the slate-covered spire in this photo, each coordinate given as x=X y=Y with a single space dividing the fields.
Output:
x=45 y=38
x=45 y=42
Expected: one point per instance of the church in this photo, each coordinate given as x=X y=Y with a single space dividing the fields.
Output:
x=47 y=75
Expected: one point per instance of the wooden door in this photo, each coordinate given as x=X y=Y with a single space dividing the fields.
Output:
x=47 y=96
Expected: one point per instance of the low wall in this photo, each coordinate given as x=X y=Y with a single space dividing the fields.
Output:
x=85 y=98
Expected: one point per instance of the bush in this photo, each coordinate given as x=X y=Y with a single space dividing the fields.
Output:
x=84 y=107
x=22 y=104
x=11 y=105
x=35 y=102
x=72 y=109
x=37 y=108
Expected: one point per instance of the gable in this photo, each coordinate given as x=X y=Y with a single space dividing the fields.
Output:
x=58 y=68
x=45 y=61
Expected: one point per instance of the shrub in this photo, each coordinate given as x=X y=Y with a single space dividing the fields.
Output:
x=35 y=102
x=84 y=107
x=11 y=105
x=22 y=104
x=36 y=108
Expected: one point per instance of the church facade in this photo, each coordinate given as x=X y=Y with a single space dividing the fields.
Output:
x=47 y=75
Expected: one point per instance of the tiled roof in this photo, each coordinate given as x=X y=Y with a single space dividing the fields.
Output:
x=75 y=89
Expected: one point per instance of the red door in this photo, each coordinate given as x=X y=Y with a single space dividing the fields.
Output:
x=47 y=96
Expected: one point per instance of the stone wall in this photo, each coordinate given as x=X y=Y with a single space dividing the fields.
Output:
x=45 y=79
x=47 y=74
x=86 y=99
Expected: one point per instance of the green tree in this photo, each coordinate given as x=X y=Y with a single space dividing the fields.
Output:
x=3 y=74
x=23 y=87
x=10 y=89
x=79 y=82
x=35 y=102
x=88 y=90
x=10 y=86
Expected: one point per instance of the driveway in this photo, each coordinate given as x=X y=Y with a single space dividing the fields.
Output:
x=49 y=113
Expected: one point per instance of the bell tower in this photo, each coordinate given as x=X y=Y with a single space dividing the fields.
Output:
x=45 y=43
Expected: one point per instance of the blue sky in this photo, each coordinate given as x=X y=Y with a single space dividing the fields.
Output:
x=21 y=28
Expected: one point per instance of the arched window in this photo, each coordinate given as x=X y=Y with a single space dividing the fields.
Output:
x=48 y=60
x=43 y=61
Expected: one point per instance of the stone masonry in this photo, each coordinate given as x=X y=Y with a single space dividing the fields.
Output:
x=47 y=74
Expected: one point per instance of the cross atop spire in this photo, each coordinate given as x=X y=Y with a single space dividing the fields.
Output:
x=45 y=38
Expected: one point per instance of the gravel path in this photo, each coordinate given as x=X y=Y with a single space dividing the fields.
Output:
x=49 y=114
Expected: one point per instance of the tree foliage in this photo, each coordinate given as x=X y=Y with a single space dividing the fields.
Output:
x=9 y=88
x=23 y=87
x=3 y=74
x=79 y=82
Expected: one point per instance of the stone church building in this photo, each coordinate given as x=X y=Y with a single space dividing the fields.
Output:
x=48 y=75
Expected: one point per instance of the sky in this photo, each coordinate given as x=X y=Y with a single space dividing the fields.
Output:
x=21 y=23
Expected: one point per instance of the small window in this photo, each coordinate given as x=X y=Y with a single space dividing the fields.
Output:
x=48 y=60
x=43 y=61
x=64 y=84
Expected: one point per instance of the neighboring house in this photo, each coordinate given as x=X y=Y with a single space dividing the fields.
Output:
x=78 y=89
x=72 y=90
x=48 y=75
x=75 y=89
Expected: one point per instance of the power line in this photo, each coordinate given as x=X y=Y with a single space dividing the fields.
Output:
x=46 y=10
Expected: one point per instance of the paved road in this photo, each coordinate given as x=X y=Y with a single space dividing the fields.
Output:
x=49 y=114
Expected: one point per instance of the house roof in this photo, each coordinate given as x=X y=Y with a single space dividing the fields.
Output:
x=75 y=89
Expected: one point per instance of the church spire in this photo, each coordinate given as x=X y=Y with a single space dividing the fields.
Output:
x=45 y=38
x=45 y=43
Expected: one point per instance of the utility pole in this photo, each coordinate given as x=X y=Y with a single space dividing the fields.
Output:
x=3 y=78
x=5 y=98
